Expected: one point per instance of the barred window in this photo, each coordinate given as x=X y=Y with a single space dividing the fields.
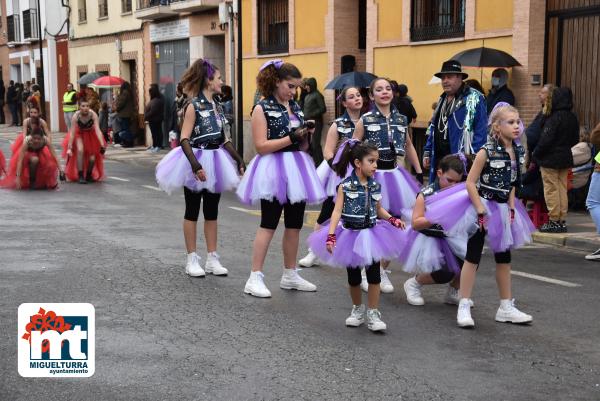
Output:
x=437 y=19
x=125 y=6
x=273 y=34
x=12 y=28
x=102 y=8
x=30 y=27
x=82 y=11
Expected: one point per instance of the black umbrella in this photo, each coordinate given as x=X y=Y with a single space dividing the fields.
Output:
x=355 y=78
x=89 y=78
x=485 y=57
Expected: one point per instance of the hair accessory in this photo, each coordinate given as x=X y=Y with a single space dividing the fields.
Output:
x=277 y=63
x=348 y=142
x=210 y=69
x=463 y=159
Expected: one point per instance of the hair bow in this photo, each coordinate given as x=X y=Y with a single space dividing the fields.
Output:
x=277 y=63
x=463 y=159
x=348 y=142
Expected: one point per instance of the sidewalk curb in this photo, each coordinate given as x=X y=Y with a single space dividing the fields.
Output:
x=567 y=241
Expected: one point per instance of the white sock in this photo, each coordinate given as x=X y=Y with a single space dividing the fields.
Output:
x=505 y=303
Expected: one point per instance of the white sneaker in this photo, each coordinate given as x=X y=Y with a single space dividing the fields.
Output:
x=291 y=280
x=507 y=312
x=255 y=286
x=413 y=292
x=357 y=316
x=213 y=266
x=149 y=149
x=309 y=260
x=374 y=322
x=363 y=280
x=593 y=256
x=193 y=267
x=386 y=284
x=453 y=297
x=463 y=317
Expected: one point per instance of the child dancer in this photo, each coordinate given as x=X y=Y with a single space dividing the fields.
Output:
x=360 y=240
x=492 y=210
x=203 y=165
x=429 y=252
x=341 y=129
x=385 y=127
x=85 y=162
x=282 y=176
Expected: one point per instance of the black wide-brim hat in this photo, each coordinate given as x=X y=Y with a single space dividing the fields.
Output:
x=451 y=67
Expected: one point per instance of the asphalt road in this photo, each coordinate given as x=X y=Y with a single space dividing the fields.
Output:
x=162 y=335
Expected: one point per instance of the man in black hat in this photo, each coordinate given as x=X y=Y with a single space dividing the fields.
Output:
x=459 y=123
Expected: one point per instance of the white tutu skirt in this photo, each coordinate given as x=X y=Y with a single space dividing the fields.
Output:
x=399 y=190
x=175 y=172
x=288 y=177
x=329 y=178
x=425 y=254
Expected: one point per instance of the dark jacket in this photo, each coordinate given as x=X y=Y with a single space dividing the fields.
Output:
x=560 y=133
x=155 y=110
x=314 y=103
x=125 y=104
x=11 y=94
x=502 y=94
x=2 y=92
x=534 y=131
x=405 y=107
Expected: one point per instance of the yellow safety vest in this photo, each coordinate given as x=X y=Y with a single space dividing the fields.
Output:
x=69 y=102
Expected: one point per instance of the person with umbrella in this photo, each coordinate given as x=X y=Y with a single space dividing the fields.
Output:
x=500 y=91
x=459 y=123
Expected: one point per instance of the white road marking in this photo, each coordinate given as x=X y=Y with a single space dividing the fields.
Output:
x=151 y=187
x=241 y=209
x=545 y=279
x=119 y=179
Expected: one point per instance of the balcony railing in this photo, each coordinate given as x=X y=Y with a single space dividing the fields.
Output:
x=30 y=25
x=13 y=31
x=154 y=9
x=194 y=5
x=437 y=19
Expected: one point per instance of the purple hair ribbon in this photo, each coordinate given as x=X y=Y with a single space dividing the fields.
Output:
x=463 y=159
x=277 y=63
x=348 y=142
x=210 y=69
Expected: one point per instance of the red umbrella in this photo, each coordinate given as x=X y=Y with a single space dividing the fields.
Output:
x=107 y=82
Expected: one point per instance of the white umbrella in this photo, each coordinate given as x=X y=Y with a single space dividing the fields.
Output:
x=435 y=80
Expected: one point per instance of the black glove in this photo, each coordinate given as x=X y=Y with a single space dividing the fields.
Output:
x=330 y=162
x=419 y=178
x=235 y=156
x=189 y=153
x=295 y=138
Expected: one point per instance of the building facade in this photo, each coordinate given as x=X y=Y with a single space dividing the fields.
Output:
x=407 y=41
x=24 y=24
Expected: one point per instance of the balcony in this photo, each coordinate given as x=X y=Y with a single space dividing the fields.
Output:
x=151 y=10
x=194 y=5
x=30 y=26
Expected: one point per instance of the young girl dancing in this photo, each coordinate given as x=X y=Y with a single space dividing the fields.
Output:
x=341 y=129
x=492 y=210
x=385 y=127
x=282 y=177
x=203 y=165
x=360 y=240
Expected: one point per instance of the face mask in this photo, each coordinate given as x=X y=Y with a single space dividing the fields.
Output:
x=495 y=81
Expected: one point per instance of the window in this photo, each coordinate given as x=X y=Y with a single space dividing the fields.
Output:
x=82 y=11
x=437 y=19
x=125 y=6
x=12 y=28
x=273 y=26
x=102 y=8
x=30 y=26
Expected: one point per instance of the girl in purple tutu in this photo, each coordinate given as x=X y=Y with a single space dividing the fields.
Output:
x=388 y=130
x=341 y=129
x=355 y=237
x=492 y=211
x=282 y=177
x=430 y=253
x=205 y=164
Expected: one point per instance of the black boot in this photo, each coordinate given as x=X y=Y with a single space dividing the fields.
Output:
x=81 y=180
x=88 y=176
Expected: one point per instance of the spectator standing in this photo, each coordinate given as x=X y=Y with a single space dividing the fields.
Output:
x=69 y=105
x=19 y=101
x=125 y=109
x=553 y=155
x=11 y=100
x=93 y=99
x=314 y=108
x=404 y=104
x=500 y=91
x=103 y=121
x=154 y=114
x=474 y=84
x=2 y=99
x=593 y=198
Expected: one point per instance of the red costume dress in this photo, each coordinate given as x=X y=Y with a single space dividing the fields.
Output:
x=91 y=147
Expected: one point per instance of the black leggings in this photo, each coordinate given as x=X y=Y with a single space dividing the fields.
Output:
x=373 y=275
x=326 y=210
x=270 y=213
x=444 y=276
x=475 y=248
x=210 y=208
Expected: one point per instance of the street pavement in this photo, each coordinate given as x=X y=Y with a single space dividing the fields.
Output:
x=161 y=335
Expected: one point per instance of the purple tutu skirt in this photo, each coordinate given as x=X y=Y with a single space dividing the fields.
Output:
x=458 y=216
x=424 y=254
x=399 y=190
x=358 y=248
x=329 y=178
x=175 y=172
x=284 y=176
